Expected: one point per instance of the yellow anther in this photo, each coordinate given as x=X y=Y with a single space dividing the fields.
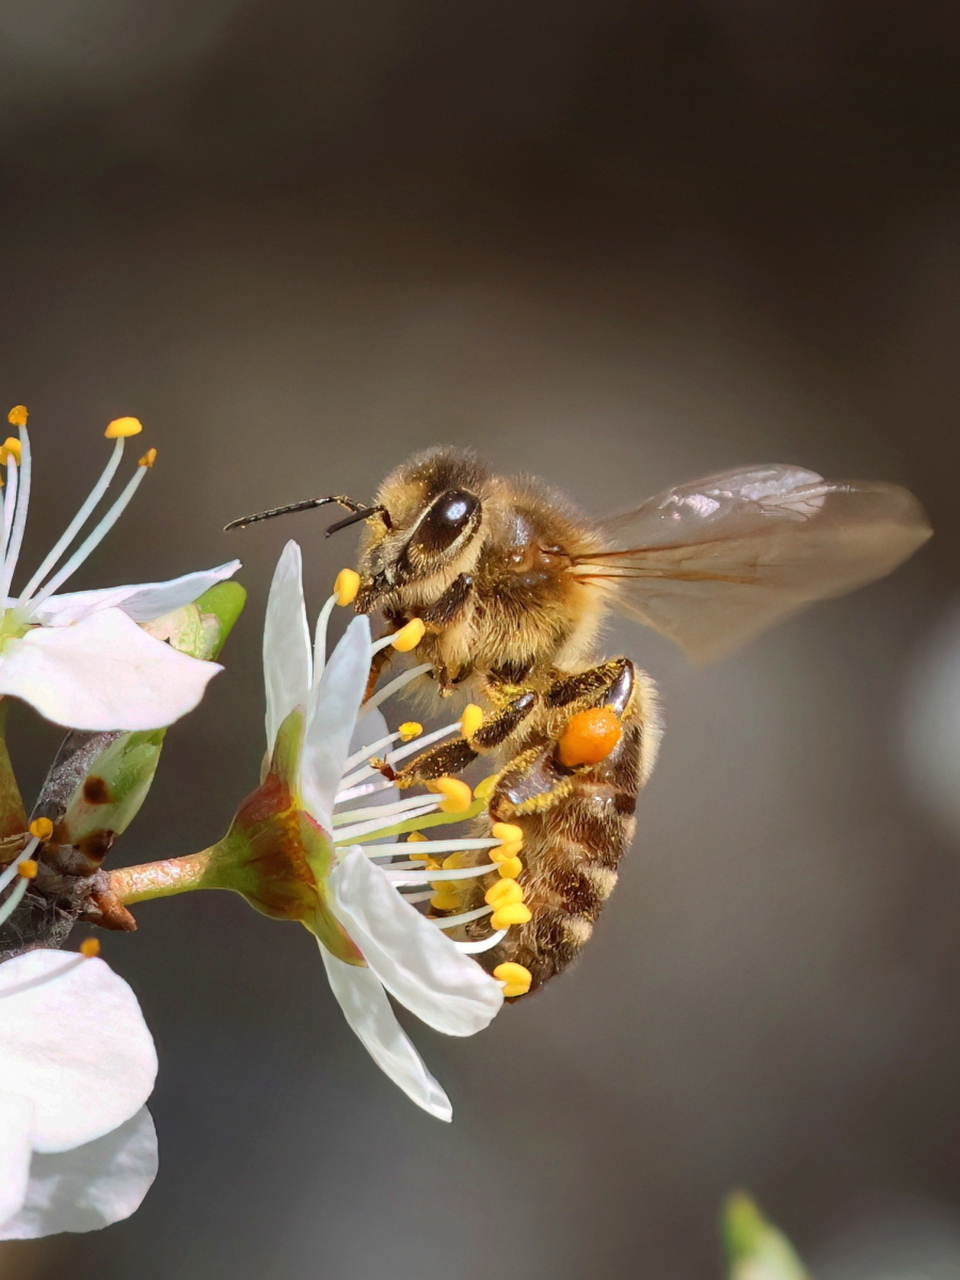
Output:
x=408 y=731
x=90 y=947
x=121 y=428
x=471 y=720
x=415 y=838
x=10 y=449
x=445 y=899
x=515 y=978
x=346 y=586
x=510 y=868
x=508 y=832
x=503 y=853
x=502 y=893
x=484 y=788
x=409 y=637
x=42 y=828
x=148 y=459
x=28 y=868
x=513 y=913
x=457 y=795
x=17 y=417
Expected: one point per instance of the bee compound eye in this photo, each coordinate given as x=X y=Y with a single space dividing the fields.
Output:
x=446 y=519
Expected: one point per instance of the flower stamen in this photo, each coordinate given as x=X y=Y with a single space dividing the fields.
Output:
x=75 y=525
x=457 y=796
x=516 y=979
x=346 y=586
x=93 y=539
x=404 y=640
x=18 y=494
x=395 y=685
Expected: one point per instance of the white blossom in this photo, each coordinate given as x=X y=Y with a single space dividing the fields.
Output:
x=405 y=953
x=77 y=1063
x=80 y=659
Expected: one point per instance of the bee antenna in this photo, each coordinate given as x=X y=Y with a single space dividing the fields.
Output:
x=357 y=516
x=360 y=512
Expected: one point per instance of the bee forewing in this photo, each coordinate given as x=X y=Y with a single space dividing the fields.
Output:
x=712 y=563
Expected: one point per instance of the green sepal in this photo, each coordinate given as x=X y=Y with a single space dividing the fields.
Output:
x=118 y=779
x=201 y=628
x=276 y=856
x=13 y=816
x=756 y=1250
x=288 y=748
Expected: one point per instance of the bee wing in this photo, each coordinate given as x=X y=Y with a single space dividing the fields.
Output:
x=712 y=563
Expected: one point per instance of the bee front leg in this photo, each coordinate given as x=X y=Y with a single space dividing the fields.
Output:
x=453 y=757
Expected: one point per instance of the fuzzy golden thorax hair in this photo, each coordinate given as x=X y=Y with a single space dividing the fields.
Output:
x=485 y=562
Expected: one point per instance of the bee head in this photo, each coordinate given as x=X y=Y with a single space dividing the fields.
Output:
x=429 y=532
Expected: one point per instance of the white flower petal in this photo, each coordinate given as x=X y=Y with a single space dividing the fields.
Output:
x=413 y=959
x=16 y=1147
x=366 y=1008
x=91 y=1186
x=330 y=725
x=103 y=673
x=287 y=654
x=142 y=601
x=73 y=1041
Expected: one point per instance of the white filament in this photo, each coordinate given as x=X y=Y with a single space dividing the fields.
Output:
x=76 y=524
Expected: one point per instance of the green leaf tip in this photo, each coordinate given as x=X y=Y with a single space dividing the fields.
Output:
x=224 y=602
x=755 y=1249
x=201 y=628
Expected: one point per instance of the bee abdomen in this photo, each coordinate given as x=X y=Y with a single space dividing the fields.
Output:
x=577 y=824
x=571 y=854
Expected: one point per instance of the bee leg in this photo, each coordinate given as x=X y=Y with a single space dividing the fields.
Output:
x=445 y=611
x=537 y=778
x=608 y=685
x=438 y=762
x=380 y=660
x=452 y=757
x=532 y=782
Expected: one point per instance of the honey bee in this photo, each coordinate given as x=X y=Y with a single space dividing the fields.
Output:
x=513 y=583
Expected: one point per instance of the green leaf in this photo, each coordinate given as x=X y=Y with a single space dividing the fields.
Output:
x=755 y=1249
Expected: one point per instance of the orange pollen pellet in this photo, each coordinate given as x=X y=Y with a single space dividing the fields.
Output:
x=589 y=737
x=90 y=947
x=28 y=868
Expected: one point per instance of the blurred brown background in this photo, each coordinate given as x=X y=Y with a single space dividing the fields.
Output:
x=621 y=245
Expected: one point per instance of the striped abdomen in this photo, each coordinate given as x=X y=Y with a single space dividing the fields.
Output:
x=577 y=827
